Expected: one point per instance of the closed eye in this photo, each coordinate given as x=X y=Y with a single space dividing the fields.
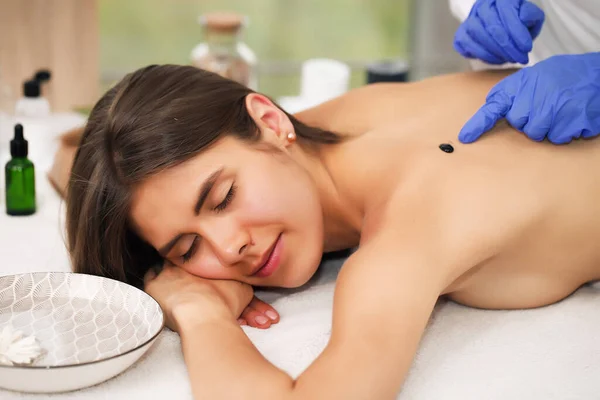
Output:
x=190 y=253
x=227 y=200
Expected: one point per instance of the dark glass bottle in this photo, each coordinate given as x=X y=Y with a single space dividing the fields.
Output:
x=20 y=177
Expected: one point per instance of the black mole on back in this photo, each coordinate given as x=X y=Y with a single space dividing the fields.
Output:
x=447 y=148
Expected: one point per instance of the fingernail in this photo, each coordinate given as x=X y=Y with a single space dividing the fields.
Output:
x=261 y=320
x=242 y=321
x=271 y=314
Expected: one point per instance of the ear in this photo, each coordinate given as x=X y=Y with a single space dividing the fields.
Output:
x=273 y=123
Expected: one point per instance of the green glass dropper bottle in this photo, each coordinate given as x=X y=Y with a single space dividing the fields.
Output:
x=20 y=177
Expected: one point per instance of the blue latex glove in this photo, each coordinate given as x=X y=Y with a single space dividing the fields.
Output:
x=558 y=98
x=499 y=31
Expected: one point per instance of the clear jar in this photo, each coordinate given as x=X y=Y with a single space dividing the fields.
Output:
x=223 y=51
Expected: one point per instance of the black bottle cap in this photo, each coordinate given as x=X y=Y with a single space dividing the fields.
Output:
x=18 y=146
x=42 y=75
x=31 y=88
x=388 y=71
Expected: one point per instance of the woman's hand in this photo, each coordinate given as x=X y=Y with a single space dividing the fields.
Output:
x=182 y=295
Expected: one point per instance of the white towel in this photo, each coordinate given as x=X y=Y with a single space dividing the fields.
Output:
x=547 y=353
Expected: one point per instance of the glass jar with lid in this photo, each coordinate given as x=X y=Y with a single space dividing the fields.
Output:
x=223 y=51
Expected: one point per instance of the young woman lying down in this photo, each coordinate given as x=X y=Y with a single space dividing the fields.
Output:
x=182 y=168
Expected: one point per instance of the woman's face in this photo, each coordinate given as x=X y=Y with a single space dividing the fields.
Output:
x=235 y=212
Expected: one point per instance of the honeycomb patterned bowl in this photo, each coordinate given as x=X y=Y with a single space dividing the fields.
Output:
x=89 y=328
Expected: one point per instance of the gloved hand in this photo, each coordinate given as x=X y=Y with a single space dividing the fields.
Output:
x=558 y=98
x=499 y=31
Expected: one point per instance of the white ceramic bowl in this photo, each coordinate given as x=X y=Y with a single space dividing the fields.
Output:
x=90 y=328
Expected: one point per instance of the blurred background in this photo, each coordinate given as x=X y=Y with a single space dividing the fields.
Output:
x=88 y=45
x=282 y=34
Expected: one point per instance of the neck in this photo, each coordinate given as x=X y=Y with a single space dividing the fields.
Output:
x=342 y=217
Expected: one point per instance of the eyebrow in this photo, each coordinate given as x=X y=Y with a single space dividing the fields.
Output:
x=205 y=189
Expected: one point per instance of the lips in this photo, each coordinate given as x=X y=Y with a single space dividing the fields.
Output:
x=271 y=260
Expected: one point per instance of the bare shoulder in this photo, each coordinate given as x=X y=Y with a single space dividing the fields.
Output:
x=371 y=106
x=356 y=111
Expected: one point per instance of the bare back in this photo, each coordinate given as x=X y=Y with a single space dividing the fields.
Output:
x=541 y=197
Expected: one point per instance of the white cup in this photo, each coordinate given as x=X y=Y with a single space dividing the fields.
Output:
x=323 y=79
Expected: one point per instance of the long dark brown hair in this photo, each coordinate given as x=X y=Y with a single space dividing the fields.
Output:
x=155 y=118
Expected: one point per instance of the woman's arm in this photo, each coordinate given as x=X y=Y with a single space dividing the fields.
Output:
x=384 y=297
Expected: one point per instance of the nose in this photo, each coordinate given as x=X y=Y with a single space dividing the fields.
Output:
x=230 y=242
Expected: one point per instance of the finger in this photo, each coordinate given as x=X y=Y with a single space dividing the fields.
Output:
x=460 y=49
x=242 y=321
x=541 y=113
x=502 y=35
x=517 y=31
x=476 y=49
x=265 y=309
x=569 y=123
x=485 y=118
x=460 y=37
x=590 y=112
x=563 y=137
x=520 y=110
x=255 y=318
x=589 y=133
x=537 y=127
x=489 y=32
x=489 y=13
x=533 y=18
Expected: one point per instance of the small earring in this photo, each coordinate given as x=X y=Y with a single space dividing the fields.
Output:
x=291 y=136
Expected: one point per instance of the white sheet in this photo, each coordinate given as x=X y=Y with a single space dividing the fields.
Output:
x=548 y=353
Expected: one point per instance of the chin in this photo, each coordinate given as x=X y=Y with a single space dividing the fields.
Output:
x=303 y=273
x=302 y=262
x=295 y=283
